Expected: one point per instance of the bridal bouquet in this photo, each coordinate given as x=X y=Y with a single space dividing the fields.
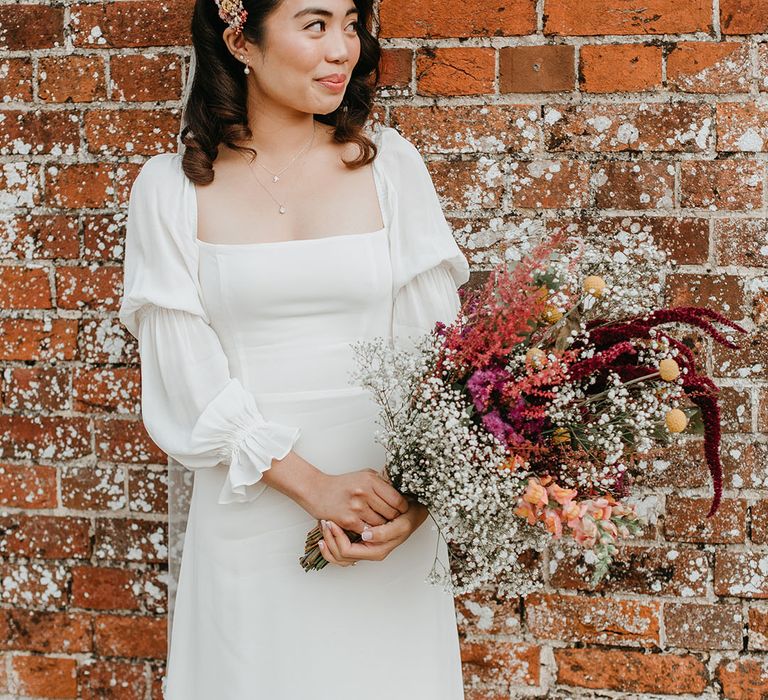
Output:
x=530 y=415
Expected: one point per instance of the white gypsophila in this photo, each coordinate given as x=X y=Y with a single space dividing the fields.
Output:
x=451 y=465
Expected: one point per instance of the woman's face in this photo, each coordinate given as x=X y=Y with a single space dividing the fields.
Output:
x=306 y=40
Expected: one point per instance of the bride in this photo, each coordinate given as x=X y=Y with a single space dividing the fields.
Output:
x=286 y=228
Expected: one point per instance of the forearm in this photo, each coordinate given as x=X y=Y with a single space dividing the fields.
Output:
x=295 y=477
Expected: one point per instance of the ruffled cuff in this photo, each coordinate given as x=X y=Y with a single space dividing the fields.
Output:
x=251 y=456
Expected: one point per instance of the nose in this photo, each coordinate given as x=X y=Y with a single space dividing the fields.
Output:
x=337 y=50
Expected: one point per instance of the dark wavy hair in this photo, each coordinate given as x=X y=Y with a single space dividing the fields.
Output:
x=217 y=111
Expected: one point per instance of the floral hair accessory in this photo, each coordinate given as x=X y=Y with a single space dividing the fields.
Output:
x=233 y=13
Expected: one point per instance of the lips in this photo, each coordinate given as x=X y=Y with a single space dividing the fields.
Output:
x=336 y=79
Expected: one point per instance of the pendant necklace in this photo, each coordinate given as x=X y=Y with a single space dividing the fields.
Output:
x=276 y=176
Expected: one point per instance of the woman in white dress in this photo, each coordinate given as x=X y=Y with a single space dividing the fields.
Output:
x=245 y=284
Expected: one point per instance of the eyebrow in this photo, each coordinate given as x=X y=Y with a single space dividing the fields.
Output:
x=321 y=11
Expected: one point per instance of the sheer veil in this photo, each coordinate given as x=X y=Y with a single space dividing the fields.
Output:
x=180 y=479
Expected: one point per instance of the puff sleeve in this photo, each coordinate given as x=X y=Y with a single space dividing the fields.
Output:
x=191 y=407
x=428 y=266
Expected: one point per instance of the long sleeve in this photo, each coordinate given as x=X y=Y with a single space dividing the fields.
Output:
x=428 y=266
x=192 y=408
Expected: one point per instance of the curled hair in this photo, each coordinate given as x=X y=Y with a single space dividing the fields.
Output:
x=217 y=106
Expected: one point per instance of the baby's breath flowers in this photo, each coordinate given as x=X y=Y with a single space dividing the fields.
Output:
x=528 y=417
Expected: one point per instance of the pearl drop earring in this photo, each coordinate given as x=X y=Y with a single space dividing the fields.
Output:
x=246 y=70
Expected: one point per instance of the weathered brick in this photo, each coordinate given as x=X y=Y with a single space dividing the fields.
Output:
x=483 y=613
x=25 y=486
x=72 y=79
x=45 y=676
x=743 y=17
x=135 y=23
x=39 y=132
x=466 y=129
x=500 y=664
x=107 y=390
x=595 y=17
x=130 y=635
x=34 y=584
x=131 y=131
x=130 y=539
x=735 y=410
x=16 y=78
x=453 y=18
x=631 y=671
x=686 y=520
x=593 y=619
x=682 y=127
x=24 y=288
x=395 y=68
x=620 y=68
x=706 y=67
x=721 y=292
x=633 y=185
x=45 y=536
x=38 y=237
x=110 y=678
x=762 y=66
x=741 y=574
x=758 y=628
x=104 y=236
x=97 y=288
x=93 y=488
x=731 y=184
x=120 y=440
x=79 y=185
x=759 y=520
x=742 y=127
x=46 y=632
x=27 y=26
x=703 y=626
x=744 y=678
x=742 y=242
x=455 y=71
x=148 y=490
x=745 y=464
x=145 y=78
x=749 y=360
x=37 y=389
x=547 y=68
x=549 y=184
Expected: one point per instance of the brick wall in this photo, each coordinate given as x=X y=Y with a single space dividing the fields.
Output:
x=530 y=113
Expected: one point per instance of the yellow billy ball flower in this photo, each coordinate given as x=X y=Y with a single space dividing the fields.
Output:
x=552 y=314
x=676 y=420
x=594 y=285
x=561 y=436
x=669 y=370
x=535 y=357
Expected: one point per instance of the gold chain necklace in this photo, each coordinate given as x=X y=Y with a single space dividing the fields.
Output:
x=276 y=176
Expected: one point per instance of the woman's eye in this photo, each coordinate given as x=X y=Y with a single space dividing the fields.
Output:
x=320 y=21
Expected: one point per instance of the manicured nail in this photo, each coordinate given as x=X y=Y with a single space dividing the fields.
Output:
x=367 y=535
x=321 y=544
x=323 y=524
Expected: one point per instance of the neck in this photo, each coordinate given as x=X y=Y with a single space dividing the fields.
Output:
x=278 y=140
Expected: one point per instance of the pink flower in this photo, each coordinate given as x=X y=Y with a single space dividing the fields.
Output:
x=561 y=495
x=525 y=510
x=535 y=494
x=553 y=522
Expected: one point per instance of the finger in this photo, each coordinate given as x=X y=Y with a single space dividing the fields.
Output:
x=391 y=496
x=380 y=508
x=336 y=540
x=354 y=551
x=327 y=554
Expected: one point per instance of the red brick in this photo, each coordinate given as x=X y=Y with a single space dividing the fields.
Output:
x=620 y=68
x=31 y=26
x=596 y=17
x=534 y=69
x=131 y=24
x=104 y=237
x=44 y=437
x=24 y=288
x=630 y=671
x=729 y=184
x=722 y=292
x=106 y=340
x=145 y=78
x=453 y=18
x=25 y=132
x=104 y=588
x=130 y=635
x=483 y=613
x=742 y=127
x=758 y=629
x=124 y=132
x=80 y=185
x=592 y=619
x=762 y=412
x=467 y=129
x=681 y=465
x=749 y=360
x=703 y=626
x=743 y=17
x=743 y=679
x=762 y=66
x=35 y=584
x=45 y=536
x=147 y=490
x=735 y=410
x=395 y=68
x=24 y=486
x=37 y=389
x=706 y=67
x=682 y=127
x=93 y=488
x=549 y=184
x=741 y=574
x=72 y=79
x=126 y=441
x=46 y=677
x=745 y=465
x=456 y=181
x=500 y=664
x=455 y=71
x=16 y=81
x=46 y=632
x=97 y=288
x=108 y=679
x=130 y=539
x=633 y=185
x=38 y=237
x=20 y=184
x=742 y=242
x=107 y=390
x=686 y=520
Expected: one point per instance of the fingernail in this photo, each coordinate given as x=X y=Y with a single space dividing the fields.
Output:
x=367 y=535
x=321 y=544
x=323 y=524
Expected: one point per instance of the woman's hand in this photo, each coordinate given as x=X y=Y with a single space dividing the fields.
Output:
x=337 y=549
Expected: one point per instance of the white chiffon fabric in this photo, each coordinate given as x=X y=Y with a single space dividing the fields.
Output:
x=245 y=355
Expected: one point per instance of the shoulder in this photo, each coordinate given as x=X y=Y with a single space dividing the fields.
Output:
x=397 y=154
x=158 y=176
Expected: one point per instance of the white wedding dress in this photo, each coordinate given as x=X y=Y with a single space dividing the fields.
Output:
x=245 y=354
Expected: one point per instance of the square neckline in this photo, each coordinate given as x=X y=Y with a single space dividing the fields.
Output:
x=238 y=246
